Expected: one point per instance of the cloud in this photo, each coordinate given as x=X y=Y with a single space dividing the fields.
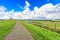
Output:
x=2 y=8
x=54 y=14
x=5 y=14
x=47 y=11
x=43 y=11
x=27 y=4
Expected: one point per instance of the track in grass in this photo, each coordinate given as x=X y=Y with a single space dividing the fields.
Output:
x=19 y=33
x=5 y=27
x=41 y=33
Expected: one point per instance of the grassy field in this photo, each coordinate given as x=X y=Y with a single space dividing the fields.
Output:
x=39 y=33
x=51 y=25
x=46 y=23
x=5 y=27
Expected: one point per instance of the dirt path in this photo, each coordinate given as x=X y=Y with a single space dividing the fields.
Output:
x=19 y=33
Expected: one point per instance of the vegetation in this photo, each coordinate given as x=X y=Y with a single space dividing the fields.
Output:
x=51 y=25
x=38 y=29
x=39 y=33
x=5 y=27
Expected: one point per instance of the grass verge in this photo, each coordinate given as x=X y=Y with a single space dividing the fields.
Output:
x=5 y=27
x=39 y=33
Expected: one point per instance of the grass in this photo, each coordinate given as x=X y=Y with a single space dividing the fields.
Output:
x=47 y=24
x=39 y=33
x=5 y=28
x=51 y=24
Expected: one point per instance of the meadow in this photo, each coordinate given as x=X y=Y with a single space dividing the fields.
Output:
x=39 y=33
x=5 y=27
x=47 y=24
x=39 y=29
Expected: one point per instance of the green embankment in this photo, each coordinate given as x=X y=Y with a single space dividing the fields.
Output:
x=39 y=33
x=5 y=27
x=50 y=25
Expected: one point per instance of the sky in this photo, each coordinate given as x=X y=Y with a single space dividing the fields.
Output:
x=30 y=9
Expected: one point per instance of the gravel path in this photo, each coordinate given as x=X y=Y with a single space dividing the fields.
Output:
x=19 y=33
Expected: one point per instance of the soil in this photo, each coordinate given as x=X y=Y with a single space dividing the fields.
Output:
x=19 y=32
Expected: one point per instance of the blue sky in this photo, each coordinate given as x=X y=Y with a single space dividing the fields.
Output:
x=30 y=9
x=13 y=4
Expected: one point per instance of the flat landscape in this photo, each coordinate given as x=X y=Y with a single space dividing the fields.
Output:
x=29 y=30
x=29 y=19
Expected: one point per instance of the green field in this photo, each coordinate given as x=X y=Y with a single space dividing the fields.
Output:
x=46 y=23
x=36 y=28
x=51 y=25
x=39 y=33
x=5 y=27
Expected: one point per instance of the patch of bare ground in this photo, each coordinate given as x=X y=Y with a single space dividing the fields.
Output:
x=19 y=33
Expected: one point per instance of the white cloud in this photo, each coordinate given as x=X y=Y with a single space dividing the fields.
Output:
x=54 y=14
x=2 y=8
x=5 y=14
x=27 y=4
x=47 y=7
x=48 y=11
